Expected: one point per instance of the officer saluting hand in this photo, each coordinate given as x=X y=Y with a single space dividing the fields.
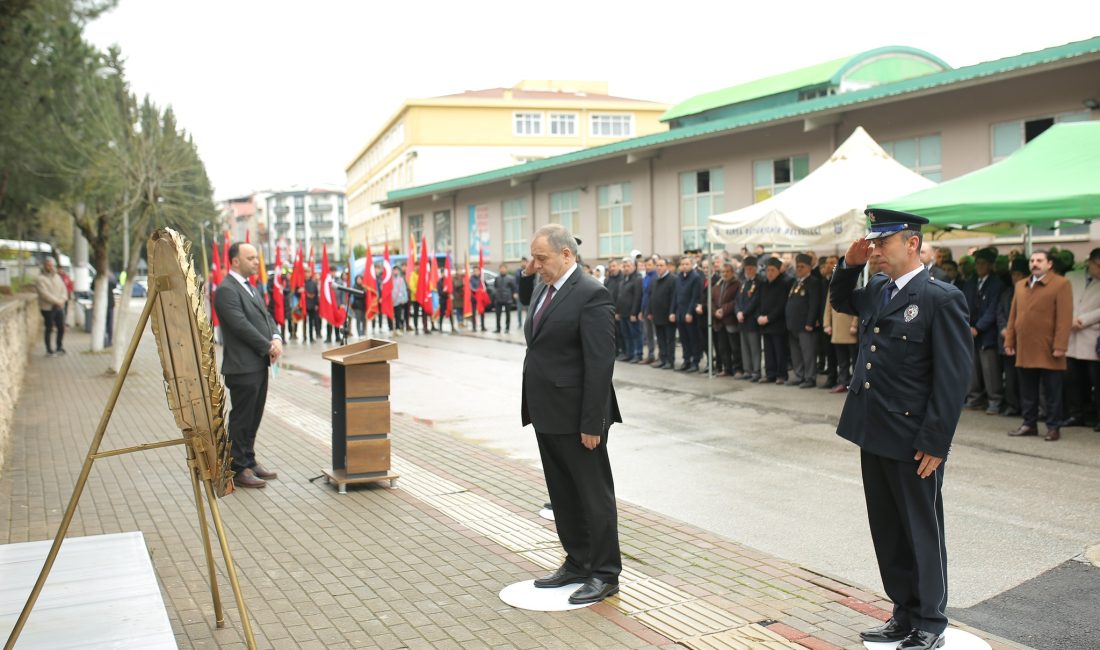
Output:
x=911 y=377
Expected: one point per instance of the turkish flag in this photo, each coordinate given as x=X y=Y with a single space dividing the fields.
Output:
x=467 y=304
x=448 y=287
x=370 y=283
x=423 y=280
x=328 y=306
x=483 y=298
x=387 y=284
x=215 y=280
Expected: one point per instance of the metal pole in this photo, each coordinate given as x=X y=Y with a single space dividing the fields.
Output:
x=710 y=310
x=85 y=471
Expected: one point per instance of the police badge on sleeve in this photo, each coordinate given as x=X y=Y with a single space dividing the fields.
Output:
x=911 y=312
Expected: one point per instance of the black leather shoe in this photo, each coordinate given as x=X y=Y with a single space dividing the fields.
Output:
x=247 y=479
x=560 y=578
x=593 y=591
x=263 y=472
x=921 y=640
x=1071 y=421
x=886 y=633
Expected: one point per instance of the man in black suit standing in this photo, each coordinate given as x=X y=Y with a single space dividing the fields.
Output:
x=902 y=408
x=803 y=314
x=662 y=287
x=250 y=343
x=568 y=397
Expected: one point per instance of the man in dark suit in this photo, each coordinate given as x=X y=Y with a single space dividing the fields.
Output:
x=773 y=322
x=658 y=310
x=568 y=397
x=727 y=333
x=803 y=314
x=928 y=260
x=983 y=292
x=686 y=297
x=902 y=408
x=250 y=343
x=748 y=308
x=627 y=305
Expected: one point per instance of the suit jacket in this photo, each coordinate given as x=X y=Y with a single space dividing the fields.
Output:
x=804 y=301
x=1039 y=322
x=1086 y=306
x=688 y=293
x=913 y=367
x=773 y=303
x=247 y=328
x=629 y=301
x=748 y=302
x=570 y=359
x=983 y=308
x=661 y=292
x=724 y=296
x=936 y=273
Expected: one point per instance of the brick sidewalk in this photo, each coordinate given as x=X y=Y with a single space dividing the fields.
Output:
x=419 y=566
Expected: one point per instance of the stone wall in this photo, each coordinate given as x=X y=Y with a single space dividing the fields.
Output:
x=20 y=328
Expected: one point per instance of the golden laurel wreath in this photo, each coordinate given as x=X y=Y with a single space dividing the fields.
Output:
x=185 y=341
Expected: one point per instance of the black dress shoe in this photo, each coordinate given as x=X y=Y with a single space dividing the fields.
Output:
x=886 y=633
x=560 y=578
x=593 y=591
x=922 y=640
x=1073 y=421
x=247 y=479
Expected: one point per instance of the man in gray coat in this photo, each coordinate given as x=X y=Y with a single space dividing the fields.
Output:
x=250 y=344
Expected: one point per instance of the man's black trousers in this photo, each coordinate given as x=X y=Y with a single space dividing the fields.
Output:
x=248 y=394
x=583 y=494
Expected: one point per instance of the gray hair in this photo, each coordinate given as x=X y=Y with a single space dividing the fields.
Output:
x=558 y=236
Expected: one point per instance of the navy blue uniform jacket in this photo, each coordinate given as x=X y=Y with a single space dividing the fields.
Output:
x=913 y=368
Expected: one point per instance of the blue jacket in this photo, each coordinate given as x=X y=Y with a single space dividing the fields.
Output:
x=688 y=294
x=983 y=309
x=647 y=282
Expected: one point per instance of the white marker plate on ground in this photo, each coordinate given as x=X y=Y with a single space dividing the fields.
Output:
x=101 y=593
x=547 y=513
x=956 y=640
x=525 y=595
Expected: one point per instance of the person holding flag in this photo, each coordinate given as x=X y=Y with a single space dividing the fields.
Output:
x=328 y=306
x=298 y=293
x=386 y=299
x=482 y=297
x=275 y=287
x=411 y=277
x=215 y=280
x=467 y=293
x=369 y=286
x=446 y=295
x=423 y=286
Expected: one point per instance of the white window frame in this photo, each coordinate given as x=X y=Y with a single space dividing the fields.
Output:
x=624 y=207
x=573 y=213
x=925 y=170
x=515 y=247
x=598 y=118
x=555 y=119
x=716 y=198
x=529 y=120
x=776 y=188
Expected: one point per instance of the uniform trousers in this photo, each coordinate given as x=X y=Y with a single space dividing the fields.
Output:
x=750 y=352
x=1051 y=380
x=666 y=342
x=804 y=356
x=906 y=517
x=248 y=395
x=582 y=490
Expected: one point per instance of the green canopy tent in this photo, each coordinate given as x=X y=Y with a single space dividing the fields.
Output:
x=1054 y=178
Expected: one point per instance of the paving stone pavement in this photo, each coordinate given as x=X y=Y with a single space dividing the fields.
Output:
x=417 y=566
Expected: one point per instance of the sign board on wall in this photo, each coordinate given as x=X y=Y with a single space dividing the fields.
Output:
x=479 y=230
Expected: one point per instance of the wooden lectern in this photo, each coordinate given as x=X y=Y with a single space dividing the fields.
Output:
x=361 y=413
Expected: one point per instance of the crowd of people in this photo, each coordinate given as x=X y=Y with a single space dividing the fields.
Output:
x=768 y=320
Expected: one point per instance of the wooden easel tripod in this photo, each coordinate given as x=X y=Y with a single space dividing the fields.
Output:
x=197 y=467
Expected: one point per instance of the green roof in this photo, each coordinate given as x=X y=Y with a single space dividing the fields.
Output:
x=829 y=73
x=789 y=111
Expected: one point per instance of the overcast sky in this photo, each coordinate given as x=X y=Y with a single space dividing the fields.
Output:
x=278 y=93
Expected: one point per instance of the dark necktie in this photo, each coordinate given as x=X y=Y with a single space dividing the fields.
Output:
x=542 y=309
x=888 y=293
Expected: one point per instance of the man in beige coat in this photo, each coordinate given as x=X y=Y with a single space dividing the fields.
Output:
x=841 y=329
x=52 y=296
x=1038 y=330
x=1084 y=368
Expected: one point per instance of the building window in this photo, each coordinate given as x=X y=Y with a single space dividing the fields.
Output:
x=1010 y=136
x=416 y=228
x=804 y=95
x=299 y=202
x=442 y=229
x=612 y=126
x=565 y=209
x=922 y=155
x=515 y=228
x=563 y=124
x=770 y=177
x=701 y=195
x=527 y=123
x=614 y=223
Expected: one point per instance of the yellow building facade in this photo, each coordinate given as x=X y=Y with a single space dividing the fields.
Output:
x=429 y=140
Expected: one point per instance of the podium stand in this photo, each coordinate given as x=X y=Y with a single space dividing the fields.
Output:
x=361 y=413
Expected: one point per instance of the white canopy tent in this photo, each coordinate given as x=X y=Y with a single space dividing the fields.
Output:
x=824 y=209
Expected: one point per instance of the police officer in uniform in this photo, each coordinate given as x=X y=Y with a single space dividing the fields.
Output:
x=904 y=401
